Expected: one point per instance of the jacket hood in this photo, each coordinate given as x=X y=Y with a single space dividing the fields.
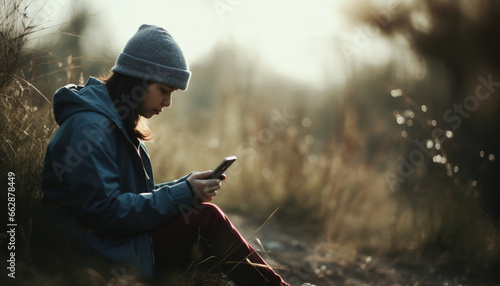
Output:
x=93 y=97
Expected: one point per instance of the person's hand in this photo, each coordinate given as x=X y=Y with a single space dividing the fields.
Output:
x=204 y=188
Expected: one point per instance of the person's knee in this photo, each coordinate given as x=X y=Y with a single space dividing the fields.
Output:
x=211 y=209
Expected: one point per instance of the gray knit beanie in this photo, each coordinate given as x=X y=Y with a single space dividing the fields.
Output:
x=152 y=54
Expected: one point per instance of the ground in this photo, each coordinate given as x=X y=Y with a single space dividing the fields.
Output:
x=302 y=257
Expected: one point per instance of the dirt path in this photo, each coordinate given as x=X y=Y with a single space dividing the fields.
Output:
x=300 y=257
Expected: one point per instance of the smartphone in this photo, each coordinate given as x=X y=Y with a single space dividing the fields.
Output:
x=219 y=170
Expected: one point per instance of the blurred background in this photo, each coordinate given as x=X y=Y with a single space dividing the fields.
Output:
x=375 y=122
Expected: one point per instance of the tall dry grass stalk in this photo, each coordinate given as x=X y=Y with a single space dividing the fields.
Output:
x=24 y=125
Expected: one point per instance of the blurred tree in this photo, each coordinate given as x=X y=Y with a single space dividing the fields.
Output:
x=459 y=44
x=433 y=112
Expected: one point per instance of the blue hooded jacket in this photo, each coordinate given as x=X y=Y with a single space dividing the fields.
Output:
x=100 y=185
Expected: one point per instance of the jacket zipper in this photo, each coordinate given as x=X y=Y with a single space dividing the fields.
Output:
x=146 y=185
x=139 y=156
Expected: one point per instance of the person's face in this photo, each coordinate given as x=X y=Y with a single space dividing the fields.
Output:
x=156 y=97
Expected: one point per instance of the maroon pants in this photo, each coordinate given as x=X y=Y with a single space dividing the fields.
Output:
x=206 y=231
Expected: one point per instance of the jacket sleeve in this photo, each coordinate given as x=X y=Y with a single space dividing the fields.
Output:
x=93 y=180
x=180 y=180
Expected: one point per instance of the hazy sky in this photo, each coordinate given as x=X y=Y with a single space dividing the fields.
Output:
x=295 y=38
